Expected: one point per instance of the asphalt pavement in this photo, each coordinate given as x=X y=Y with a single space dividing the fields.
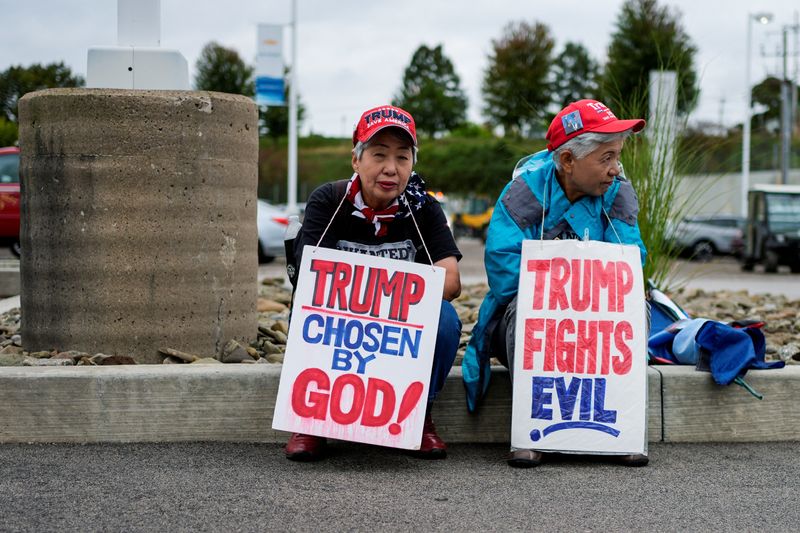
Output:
x=251 y=487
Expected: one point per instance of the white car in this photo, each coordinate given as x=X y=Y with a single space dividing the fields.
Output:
x=703 y=236
x=272 y=222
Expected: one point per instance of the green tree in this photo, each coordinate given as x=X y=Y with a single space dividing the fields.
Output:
x=432 y=92
x=648 y=37
x=8 y=132
x=516 y=89
x=18 y=80
x=768 y=94
x=222 y=69
x=575 y=75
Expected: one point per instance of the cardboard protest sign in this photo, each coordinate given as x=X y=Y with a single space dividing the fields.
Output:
x=360 y=348
x=580 y=364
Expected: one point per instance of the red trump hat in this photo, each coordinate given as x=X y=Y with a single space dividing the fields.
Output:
x=387 y=116
x=585 y=116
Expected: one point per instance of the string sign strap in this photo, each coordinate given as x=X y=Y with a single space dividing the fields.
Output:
x=411 y=211
x=612 y=226
x=334 y=214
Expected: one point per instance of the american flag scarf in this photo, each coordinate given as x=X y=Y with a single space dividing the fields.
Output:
x=413 y=197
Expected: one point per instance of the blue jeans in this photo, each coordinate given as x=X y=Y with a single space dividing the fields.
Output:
x=447 y=340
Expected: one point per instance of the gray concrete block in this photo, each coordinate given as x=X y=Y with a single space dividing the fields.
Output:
x=491 y=423
x=9 y=278
x=698 y=410
x=173 y=403
x=139 y=221
x=142 y=403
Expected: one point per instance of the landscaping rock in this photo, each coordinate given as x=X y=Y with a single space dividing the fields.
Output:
x=179 y=355
x=11 y=359
x=206 y=361
x=233 y=352
x=265 y=305
x=32 y=361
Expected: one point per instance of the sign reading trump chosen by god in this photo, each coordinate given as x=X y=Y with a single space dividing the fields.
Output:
x=580 y=362
x=360 y=348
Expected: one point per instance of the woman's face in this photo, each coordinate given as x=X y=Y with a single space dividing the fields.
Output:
x=384 y=167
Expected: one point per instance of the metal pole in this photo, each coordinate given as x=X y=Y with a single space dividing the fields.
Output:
x=291 y=199
x=795 y=77
x=746 y=126
x=786 y=115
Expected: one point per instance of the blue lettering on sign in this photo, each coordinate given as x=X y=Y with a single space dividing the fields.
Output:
x=391 y=336
x=371 y=337
x=589 y=393
x=541 y=399
x=341 y=360
x=313 y=320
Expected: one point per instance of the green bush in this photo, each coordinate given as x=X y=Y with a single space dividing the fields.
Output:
x=8 y=132
x=454 y=164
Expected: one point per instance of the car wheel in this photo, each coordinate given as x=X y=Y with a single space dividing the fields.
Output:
x=702 y=251
x=16 y=249
x=770 y=261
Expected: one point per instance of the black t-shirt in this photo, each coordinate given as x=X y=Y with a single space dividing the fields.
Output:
x=355 y=234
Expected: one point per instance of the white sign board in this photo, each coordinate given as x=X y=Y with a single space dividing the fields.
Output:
x=360 y=349
x=580 y=365
x=269 y=66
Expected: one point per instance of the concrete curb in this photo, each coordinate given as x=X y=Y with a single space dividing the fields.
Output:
x=166 y=403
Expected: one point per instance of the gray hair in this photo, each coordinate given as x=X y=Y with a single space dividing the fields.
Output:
x=359 y=148
x=585 y=144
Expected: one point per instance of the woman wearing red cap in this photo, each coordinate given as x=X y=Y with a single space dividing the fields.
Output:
x=574 y=189
x=383 y=210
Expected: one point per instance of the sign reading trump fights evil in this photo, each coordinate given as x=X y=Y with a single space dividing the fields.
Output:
x=360 y=348
x=580 y=356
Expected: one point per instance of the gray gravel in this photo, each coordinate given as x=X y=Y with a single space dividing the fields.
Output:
x=251 y=487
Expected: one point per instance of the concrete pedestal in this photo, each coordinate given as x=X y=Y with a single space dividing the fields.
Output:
x=138 y=221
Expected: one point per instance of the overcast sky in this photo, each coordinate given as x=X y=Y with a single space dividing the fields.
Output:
x=351 y=54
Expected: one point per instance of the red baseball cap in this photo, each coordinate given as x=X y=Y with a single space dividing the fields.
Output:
x=586 y=116
x=374 y=120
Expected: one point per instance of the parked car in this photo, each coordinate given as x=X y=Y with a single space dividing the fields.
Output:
x=701 y=237
x=9 y=198
x=772 y=234
x=272 y=222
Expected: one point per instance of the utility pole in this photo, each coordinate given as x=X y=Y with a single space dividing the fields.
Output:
x=788 y=104
x=291 y=198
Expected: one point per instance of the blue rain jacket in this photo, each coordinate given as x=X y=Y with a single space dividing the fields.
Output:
x=534 y=191
x=724 y=351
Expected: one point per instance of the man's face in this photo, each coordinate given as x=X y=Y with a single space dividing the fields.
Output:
x=594 y=174
x=384 y=167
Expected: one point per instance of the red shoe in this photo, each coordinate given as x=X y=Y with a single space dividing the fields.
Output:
x=432 y=445
x=305 y=448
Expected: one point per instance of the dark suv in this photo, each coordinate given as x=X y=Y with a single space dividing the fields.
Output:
x=9 y=198
x=772 y=233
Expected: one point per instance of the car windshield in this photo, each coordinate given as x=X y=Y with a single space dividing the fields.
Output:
x=9 y=168
x=784 y=212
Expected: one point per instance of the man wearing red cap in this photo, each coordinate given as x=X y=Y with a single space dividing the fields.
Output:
x=574 y=189
x=384 y=210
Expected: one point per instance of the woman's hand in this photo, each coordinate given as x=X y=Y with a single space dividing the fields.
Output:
x=452 y=279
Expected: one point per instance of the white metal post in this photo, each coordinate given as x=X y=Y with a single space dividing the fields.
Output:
x=763 y=18
x=746 y=126
x=291 y=197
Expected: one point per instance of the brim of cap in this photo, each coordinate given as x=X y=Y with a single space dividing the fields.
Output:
x=383 y=127
x=618 y=126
